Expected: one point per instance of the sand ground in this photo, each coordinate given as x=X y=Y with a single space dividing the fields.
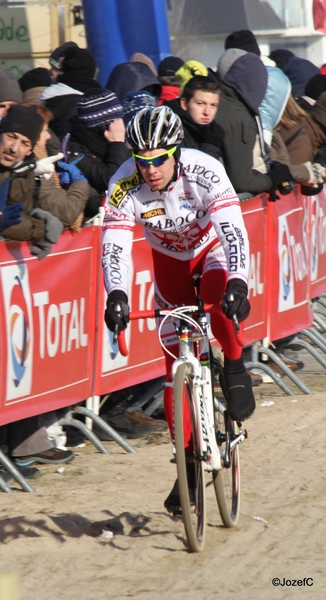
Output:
x=54 y=535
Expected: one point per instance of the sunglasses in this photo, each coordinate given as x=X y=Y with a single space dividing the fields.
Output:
x=156 y=161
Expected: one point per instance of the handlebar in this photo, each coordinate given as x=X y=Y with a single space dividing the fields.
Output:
x=119 y=336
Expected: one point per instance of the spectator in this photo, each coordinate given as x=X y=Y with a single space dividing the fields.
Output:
x=135 y=101
x=139 y=57
x=188 y=70
x=303 y=134
x=28 y=444
x=271 y=111
x=244 y=84
x=132 y=76
x=10 y=92
x=97 y=142
x=20 y=130
x=33 y=83
x=315 y=86
x=281 y=56
x=79 y=70
x=197 y=108
x=299 y=71
x=244 y=39
x=168 y=79
x=56 y=59
x=66 y=204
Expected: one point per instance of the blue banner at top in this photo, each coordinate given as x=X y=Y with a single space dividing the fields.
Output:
x=116 y=29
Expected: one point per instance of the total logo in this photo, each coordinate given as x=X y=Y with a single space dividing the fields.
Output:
x=286 y=288
x=19 y=329
x=36 y=328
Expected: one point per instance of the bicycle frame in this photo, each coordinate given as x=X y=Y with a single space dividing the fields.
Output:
x=194 y=349
x=202 y=382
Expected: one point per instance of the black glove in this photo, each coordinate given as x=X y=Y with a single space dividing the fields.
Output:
x=280 y=175
x=116 y=321
x=239 y=305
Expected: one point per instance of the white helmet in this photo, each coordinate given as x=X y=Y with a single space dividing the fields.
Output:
x=154 y=128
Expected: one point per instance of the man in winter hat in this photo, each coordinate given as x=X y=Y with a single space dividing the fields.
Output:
x=79 y=72
x=10 y=92
x=167 y=76
x=96 y=140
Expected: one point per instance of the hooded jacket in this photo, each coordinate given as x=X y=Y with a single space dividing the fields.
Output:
x=244 y=83
x=132 y=76
x=208 y=138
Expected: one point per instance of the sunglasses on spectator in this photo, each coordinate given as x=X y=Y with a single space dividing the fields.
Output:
x=156 y=161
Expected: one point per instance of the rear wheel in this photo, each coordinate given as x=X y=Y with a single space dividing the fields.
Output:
x=226 y=480
x=193 y=503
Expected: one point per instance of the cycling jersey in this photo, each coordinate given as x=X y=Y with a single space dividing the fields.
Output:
x=198 y=207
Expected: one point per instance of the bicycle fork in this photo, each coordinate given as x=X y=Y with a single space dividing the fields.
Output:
x=210 y=453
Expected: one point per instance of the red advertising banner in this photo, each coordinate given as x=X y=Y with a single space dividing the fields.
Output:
x=47 y=318
x=317 y=244
x=255 y=217
x=55 y=348
x=288 y=271
x=145 y=359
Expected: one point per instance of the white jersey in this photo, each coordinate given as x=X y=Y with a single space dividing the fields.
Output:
x=200 y=206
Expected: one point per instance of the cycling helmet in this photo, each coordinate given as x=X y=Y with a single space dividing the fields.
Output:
x=157 y=127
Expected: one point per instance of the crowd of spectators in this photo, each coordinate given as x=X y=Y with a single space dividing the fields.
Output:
x=62 y=138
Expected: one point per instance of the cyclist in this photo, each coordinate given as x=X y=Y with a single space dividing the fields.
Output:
x=192 y=220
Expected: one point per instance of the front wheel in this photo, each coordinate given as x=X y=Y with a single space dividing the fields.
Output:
x=227 y=480
x=190 y=468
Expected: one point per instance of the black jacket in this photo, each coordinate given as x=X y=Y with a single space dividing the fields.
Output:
x=101 y=159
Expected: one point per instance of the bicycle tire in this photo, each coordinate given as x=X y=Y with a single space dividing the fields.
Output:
x=227 y=480
x=194 y=517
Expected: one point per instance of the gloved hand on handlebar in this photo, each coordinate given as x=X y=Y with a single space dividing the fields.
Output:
x=116 y=320
x=235 y=301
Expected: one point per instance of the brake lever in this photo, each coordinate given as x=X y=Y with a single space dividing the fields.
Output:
x=117 y=308
x=230 y=299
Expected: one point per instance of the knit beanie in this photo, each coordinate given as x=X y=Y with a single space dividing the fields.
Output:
x=59 y=52
x=139 y=57
x=38 y=77
x=281 y=56
x=78 y=59
x=315 y=86
x=98 y=108
x=135 y=101
x=24 y=120
x=9 y=88
x=188 y=70
x=169 y=65
x=243 y=39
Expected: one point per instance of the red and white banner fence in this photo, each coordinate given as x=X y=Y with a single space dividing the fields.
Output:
x=55 y=348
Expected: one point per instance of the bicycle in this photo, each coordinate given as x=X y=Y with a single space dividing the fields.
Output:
x=215 y=437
